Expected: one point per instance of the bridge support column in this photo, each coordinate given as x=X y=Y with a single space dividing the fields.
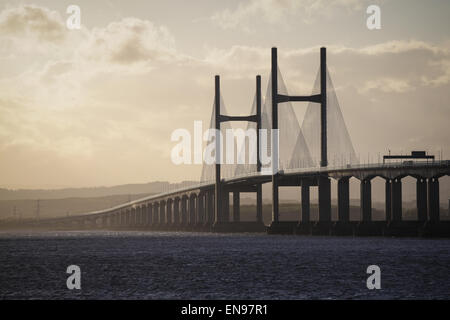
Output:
x=143 y=215
x=236 y=207
x=155 y=219
x=149 y=214
x=366 y=200
x=133 y=217
x=201 y=208
x=324 y=199
x=388 y=200
x=421 y=199
x=184 y=210
x=433 y=199
x=162 y=213
x=146 y=214
x=128 y=218
x=396 y=199
x=121 y=219
x=176 y=211
x=169 y=211
x=225 y=206
x=210 y=207
x=138 y=216
x=343 y=200
x=305 y=202
x=259 y=204
x=192 y=209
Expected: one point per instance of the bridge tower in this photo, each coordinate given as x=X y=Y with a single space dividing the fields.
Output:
x=219 y=196
x=323 y=181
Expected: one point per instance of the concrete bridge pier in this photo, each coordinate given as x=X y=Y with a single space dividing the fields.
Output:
x=137 y=219
x=140 y=220
x=225 y=206
x=222 y=223
x=162 y=215
x=366 y=200
x=421 y=199
x=209 y=208
x=343 y=227
x=135 y=215
x=234 y=223
x=201 y=199
x=344 y=200
x=149 y=215
x=155 y=220
x=434 y=227
x=192 y=211
x=398 y=227
x=144 y=216
x=259 y=204
x=323 y=226
x=114 y=222
x=169 y=212
x=111 y=218
x=133 y=218
x=324 y=185
x=127 y=218
x=184 y=204
x=176 y=212
x=393 y=206
x=236 y=206
x=304 y=226
x=122 y=220
x=388 y=200
x=433 y=199
x=396 y=199
x=367 y=227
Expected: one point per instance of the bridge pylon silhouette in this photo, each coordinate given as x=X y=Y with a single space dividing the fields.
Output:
x=322 y=181
x=221 y=195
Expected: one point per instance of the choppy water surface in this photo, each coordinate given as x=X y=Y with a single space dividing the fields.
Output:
x=157 y=265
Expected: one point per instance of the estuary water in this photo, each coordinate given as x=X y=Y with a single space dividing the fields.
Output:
x=163 y=265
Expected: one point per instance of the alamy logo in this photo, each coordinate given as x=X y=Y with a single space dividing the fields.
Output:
x=374 y=280
x=220 y=148
x=74 y=280
x=74 y=20
x=374 y=20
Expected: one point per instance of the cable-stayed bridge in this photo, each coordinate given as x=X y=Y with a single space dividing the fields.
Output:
x=303 y=155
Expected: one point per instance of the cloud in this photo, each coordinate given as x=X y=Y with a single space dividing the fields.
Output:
x=387 y=85
x=394 y=66
x=276 y=11
x=109 y=97
x=131 y=41
x=30 y=20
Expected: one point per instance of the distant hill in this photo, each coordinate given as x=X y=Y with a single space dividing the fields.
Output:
x=142 y=188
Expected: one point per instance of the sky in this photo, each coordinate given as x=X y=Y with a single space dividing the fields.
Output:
x=96 y=106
